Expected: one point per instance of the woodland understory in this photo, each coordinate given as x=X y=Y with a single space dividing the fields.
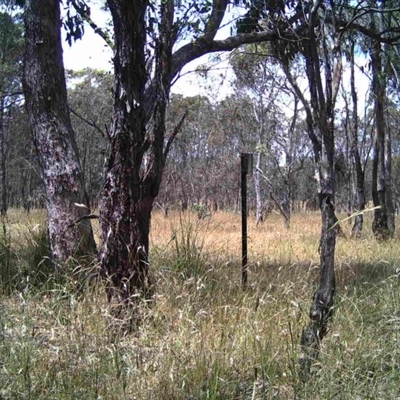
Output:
x=135 y=179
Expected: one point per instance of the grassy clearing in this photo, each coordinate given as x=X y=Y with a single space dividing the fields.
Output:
x=203 y=337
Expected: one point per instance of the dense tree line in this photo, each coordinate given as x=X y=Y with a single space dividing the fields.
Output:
x=204 y=165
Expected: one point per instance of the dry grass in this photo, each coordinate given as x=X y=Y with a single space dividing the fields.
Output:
x=203 y=337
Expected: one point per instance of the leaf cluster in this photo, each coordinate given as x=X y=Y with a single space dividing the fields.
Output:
x=74 y=20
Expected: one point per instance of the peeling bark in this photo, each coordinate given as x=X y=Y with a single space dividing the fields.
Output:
x=135 y=165
x=53 y=136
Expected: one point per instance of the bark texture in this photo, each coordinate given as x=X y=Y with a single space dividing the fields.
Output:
x=134 y=168
x=323 y=94
x=322 y=305
x=53 y=136
x=380 y=222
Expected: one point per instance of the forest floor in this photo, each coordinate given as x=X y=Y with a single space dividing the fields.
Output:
x=201 y=336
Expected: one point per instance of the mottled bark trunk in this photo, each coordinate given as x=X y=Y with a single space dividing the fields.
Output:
x=380 y=222
x=387 y=156
x=323 y=103
x=124 y=206
x=322 y=304
x=46 y=103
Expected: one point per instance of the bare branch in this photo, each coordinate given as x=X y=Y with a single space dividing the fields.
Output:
x=84 y=217
x=90 y=123
x=174 y=133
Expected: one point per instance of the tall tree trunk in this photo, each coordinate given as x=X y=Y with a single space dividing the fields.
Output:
x=380 y=222
x=135 y=165
x=125 y=208
x=46 y=102
x=323 y=103
x=387 y=156
x=3 y=155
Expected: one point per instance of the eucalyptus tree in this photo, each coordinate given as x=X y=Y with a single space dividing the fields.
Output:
x=46 y=102
x=147 y=59
x=379 y=177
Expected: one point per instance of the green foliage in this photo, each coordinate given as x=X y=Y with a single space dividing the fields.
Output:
x=74 y=22
x=201 y=210
x=11 y=52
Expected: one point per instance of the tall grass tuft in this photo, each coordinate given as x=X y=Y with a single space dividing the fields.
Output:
x=186 y=254
x=24 y=258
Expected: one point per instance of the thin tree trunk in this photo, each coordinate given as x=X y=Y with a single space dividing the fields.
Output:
x=389 y=192
x=257 y=189
x=387 y=155
x=53 y=136
x=323 y=103
x=359 y=172
x=3 y=155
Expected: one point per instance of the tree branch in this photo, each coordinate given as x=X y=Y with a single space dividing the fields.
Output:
x=174 y=133
x=200 y=47
x=84 y=12
x=90 y=123
x=214 y=22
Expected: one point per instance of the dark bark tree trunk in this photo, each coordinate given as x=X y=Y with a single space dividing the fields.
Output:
x=380 y=222
x=3 y=155
x=390 y=211
x=323 y=99
x=135 y=165
x=46 y=102
x=320 y=129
